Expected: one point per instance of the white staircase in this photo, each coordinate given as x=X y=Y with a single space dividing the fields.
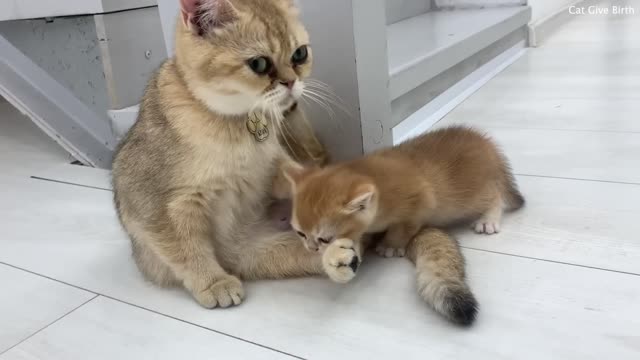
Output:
x=66 y=63
x=397 y=65
x=430 y=53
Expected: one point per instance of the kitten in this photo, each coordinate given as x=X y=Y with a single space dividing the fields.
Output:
x=438 y=179
x=192 y=178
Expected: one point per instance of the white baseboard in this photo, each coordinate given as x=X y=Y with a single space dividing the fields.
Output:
x=439 y=107
x=476 y=4
x=541 y=29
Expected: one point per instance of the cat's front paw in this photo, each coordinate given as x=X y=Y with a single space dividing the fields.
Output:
x=224 y=292
x=341 y=261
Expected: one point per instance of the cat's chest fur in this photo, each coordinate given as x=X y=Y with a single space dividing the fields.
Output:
x=233 y=171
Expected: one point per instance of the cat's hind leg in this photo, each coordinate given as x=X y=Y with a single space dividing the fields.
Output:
x=150 y=265
x=276 y=254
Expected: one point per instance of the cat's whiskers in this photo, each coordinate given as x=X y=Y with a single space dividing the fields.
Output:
x=329 y=95
x=320 y=101
x=271 y=106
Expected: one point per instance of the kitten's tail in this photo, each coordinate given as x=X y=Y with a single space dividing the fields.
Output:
x=441 y=276
x=510 y=194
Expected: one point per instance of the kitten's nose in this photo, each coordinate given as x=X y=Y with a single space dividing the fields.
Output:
x=288 y=83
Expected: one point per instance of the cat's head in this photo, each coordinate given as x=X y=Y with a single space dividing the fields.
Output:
x=239 y=56
x=329 y=204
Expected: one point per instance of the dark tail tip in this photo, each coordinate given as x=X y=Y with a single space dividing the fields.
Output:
x=462 y=307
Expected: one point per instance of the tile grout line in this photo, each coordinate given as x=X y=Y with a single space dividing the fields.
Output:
x=578 y=179
x=551 y=261
x=563 y=130
x=507 y=127
x=51 y=323
x=69 y=183
x=517 y=174
x=145 y=309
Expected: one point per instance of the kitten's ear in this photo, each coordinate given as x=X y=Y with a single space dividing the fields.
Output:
x=202 y=16
x=284 y=184
x=360 y=198
x=293 y=172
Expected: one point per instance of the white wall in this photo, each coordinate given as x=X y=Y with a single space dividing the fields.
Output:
x=544 y=8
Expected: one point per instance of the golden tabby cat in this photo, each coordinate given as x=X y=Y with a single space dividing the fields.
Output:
x=191 y=179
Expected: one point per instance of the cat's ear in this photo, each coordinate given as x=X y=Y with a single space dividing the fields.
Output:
x=360 y=198
x=202 y=16
x=292 y=6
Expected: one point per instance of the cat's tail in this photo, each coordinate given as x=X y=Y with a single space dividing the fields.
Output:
x=441 y=275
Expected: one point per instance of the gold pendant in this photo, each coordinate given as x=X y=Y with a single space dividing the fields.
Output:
x=258 y=126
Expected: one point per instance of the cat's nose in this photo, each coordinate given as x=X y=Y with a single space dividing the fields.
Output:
x=288 y=83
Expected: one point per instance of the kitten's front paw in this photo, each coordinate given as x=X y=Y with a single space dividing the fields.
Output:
x=340 y=261
x=224 y=292
x=389 y=252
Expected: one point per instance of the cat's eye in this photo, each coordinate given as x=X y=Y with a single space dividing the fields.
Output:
x=301 y=234
x=325 y=240
x=300 y=55
x=260 y=65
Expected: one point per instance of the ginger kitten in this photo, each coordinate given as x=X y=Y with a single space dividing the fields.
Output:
x=438 y=179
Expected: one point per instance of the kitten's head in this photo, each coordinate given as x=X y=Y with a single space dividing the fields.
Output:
x=329 y=204
x=243 y=55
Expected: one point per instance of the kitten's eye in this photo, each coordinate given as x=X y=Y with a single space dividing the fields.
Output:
x=300 y=55
x=325 y=240
x=260 y=65
x=301 y=234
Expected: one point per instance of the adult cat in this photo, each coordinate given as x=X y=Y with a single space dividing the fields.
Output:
x=193 y=175
x=190 y=177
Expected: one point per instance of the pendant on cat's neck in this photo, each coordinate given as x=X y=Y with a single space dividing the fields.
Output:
x=258 y=126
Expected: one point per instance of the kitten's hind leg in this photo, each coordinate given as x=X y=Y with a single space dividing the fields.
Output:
x=489 y=222
x=441 y=275
x=396 y=239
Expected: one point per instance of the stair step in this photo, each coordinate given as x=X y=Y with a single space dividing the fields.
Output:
x=421 y=47
x=398 y=10
x=123 y=119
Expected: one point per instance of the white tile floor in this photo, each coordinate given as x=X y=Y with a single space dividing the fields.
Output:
x=561 y=281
